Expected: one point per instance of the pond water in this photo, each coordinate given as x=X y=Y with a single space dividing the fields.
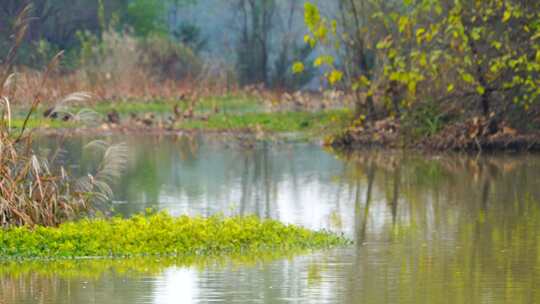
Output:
x=427 y=229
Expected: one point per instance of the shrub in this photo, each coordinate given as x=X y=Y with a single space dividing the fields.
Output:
x=167 y=59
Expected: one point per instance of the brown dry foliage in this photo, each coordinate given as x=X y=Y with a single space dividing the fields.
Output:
x=31 y=192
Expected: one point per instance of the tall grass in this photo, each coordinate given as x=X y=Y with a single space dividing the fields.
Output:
x=118 y=66
x=33 y=190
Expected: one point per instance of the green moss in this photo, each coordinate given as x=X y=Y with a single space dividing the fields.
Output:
x=160 y=234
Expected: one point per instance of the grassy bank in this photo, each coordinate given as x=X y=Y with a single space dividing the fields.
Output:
x=160 y=234
x=270 y=121
x=225 y=103
x=233 y=115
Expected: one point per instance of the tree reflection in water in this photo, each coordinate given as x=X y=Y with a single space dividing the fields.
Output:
x=427 y=229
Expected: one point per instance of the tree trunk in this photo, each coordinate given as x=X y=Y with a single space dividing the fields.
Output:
x=485 y=104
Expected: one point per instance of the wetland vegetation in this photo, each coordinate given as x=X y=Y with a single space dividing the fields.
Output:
x=211 y=114
x=161 y=235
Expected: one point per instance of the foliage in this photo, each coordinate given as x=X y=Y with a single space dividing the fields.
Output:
x=146 y=17
x=482 y=51
x=53 y=21
x=33 y=190
x=261 y=58
x=346 y=54
x=320 y=30
x=485 y=52
x=283 y=77
x=113 y=56
x=59 y=23
x=424 y=120
x=160 y=234
x=169 y=59
x=191 y=36
x=30 y=193
x=120 y=59
x=84 y=29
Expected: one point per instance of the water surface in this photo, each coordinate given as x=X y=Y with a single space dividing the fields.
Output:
x=445 y=229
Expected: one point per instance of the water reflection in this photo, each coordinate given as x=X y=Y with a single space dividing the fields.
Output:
x=450 y=229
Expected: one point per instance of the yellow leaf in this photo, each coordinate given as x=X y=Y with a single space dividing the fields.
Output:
x=506 y=16
x=298 y=67
x=411 y=87
x=497 y=45
x=419 y=34
x=423 y=60
x=364 y=81
x=468 y=78
x=450 y=88
x=335 y=76
x=403 y=23
x=480 y=90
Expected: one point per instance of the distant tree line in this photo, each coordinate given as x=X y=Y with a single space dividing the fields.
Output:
x=265 y=44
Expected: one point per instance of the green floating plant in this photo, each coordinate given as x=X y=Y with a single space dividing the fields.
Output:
x=161 y=234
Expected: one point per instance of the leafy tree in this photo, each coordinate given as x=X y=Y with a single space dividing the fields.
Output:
x=483 y=52
x=254 y=44
x=267 y=43
x=346 y=43
x=190 y=35
x=486 y=52
x=146 y=16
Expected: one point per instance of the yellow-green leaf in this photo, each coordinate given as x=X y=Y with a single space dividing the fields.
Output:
x=335 y=76
x=506 y=16
x=480 y=90
x=468 y=78
x=298 y=67
x=419 y=34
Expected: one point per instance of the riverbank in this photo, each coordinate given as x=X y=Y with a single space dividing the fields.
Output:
x=238 y=115
x=466 y=135
x=160 y=235
x=252 y=117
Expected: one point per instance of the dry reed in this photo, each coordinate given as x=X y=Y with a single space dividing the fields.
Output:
x=33 y=191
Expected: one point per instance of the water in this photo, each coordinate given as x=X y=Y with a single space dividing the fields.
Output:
x=446 y=229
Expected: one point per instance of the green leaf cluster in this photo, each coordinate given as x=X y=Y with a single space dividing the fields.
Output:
x=323 y=32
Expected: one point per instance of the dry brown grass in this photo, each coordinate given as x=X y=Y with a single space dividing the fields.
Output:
x=33 y=190
x=119 y=67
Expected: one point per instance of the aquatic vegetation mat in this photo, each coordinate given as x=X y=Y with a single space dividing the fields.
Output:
x=160 y=234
